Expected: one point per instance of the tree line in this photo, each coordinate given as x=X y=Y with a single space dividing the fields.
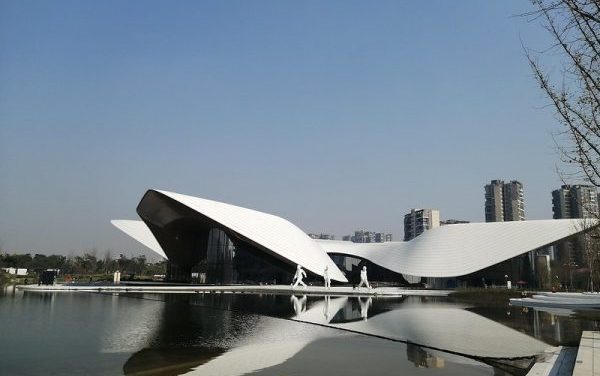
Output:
x=87 y=263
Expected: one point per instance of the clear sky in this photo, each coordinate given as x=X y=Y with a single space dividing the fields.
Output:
x=336 y=115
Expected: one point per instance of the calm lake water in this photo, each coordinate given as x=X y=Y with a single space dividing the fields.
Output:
x=243 y=334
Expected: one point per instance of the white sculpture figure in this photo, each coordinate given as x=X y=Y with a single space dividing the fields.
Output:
x=327 y=278
x=298 y=304
x=364 y=307
x=363 y=278
x=299 y=276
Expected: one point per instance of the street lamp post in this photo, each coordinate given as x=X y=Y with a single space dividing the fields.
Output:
x=508 y=284
x=571 y=266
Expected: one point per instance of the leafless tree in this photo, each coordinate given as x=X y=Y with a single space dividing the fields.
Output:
x=107 y=261
x=574 y=92
x=591 y=251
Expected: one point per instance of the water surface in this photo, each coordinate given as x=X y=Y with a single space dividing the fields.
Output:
x=240 y=334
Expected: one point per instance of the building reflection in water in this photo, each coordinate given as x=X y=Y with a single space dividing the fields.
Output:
x=8 y=290
x=230 y=334
x=557 y=326
x=215 y=334
x=421 y=358
x=237 y=334
x=554 y=326
x=439 y=325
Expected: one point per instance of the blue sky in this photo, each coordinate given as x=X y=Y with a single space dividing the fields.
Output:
x=336 y=115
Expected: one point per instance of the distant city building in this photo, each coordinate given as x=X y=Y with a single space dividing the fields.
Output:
x=418 y=221
x=494 y=210
x=381 y=237
x=364 y=236
x=504 y=201
x=16 y=271
x=575 y=201
x=421 y=358
x=322 y=236
x=452 y=222
x=514 y=203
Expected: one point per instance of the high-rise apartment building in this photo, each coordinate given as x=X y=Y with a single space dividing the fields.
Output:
x=504 y=201
x=514 y=203
x=575 y=201
x=494 y=209
x=418 y=221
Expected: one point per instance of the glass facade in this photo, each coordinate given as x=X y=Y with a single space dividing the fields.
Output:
x=351 y=267
x=230 y=261
x=201 y=251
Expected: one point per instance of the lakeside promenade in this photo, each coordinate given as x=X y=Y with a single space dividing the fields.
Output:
x=233 y=289
x=571 y=361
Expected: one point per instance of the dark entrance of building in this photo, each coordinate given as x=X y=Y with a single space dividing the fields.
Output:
x=200 y=250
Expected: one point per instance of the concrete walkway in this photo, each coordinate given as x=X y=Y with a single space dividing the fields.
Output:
x=559 y=300
x=556 y=361
x=250 y=289
x=588 y=356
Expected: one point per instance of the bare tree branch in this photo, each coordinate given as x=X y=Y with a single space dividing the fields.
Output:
x=574 y=26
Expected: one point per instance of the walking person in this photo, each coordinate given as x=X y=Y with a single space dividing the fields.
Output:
x=363 y=278
x=298 y=277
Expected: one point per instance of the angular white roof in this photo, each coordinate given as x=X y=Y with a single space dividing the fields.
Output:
x=446 y=251
x=459 y=249
x=280 y=237
x=140 y=232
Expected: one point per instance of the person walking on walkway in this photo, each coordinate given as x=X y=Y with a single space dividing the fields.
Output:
x=299 y=276
x=363 y=278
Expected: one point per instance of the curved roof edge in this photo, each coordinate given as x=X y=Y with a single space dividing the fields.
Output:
x=447 y=251
x=140 y=232
x=460 y=249
x=275 y=234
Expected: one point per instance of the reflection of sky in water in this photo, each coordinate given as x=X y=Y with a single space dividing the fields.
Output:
x=127 y=326
x=83 y=333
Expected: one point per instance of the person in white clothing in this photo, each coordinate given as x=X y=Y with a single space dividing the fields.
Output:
x=363 y=278
x=298 y=304
x=327 y=278
x=298 y=277
x=364 y=307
